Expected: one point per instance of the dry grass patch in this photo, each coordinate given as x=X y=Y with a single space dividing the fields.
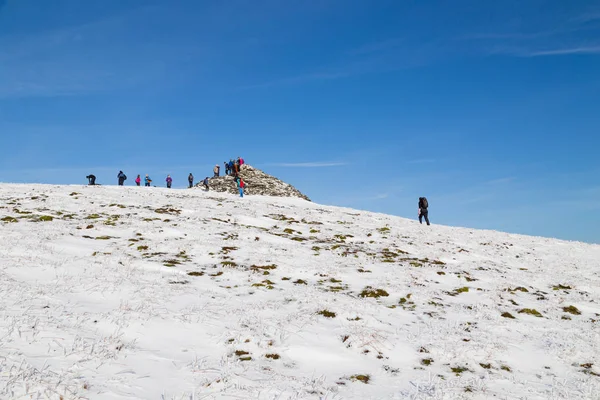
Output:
x=572 y=310
x=361 y=378
x=375 y=293
x=327 y=313
x=531 y=311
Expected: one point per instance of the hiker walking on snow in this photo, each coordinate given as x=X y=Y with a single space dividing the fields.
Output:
x=147 y=181
x=191 y=179
x=216 y=170
x=205 y=183
x=122 y=178
x=91 y=179
x=169 y=181
x=138 y=180
x=423 y=213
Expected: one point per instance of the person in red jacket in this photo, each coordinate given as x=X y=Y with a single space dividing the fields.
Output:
x=241 y=185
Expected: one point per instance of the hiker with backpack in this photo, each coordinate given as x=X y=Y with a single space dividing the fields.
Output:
x=423 y=212
x=169 y=181
x=191 y=179
x=122 y=178
x=138 y=180
x=147 y=181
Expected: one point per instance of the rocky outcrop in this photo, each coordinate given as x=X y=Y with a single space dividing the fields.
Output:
x=257 y=183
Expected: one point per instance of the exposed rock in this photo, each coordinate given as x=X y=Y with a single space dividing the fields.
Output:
x=257 y=183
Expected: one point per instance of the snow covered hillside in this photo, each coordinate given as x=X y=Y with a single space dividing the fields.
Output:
x=149 y=293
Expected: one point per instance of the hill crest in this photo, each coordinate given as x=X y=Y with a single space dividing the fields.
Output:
x=257 y=183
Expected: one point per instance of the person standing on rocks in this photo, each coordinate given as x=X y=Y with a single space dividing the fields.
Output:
x=169 y=181
x=423 y=210
x=205 y=183
x=232 y=168
x=122 y=178
x=226 y=168
x=240 y=185
x=216 y=170
x=191 y=179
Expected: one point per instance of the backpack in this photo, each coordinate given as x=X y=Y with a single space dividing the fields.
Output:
x=424 y=203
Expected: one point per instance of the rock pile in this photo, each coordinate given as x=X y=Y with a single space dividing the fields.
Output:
x=257 y=183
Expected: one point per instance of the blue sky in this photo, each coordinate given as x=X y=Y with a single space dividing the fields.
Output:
x=490 y=109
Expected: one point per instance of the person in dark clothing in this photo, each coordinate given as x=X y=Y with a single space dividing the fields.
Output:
x=169 y=181
x=91 y=179
x=423 y=210
x=122 y=178
x=191 y=179
x=205 y=183
x=226 y=168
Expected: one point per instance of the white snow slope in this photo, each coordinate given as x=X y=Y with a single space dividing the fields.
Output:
x=99 y=303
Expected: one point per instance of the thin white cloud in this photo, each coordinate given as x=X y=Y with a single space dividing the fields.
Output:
x=565 y=51
x=588 y=17
x=309 y=164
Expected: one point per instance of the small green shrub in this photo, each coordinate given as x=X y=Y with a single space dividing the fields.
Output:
x=427 y=361
x=375 y=293
x=530 y=312
x=272 y=356
x=327 y=313
x=228 y=264
x=507 y=315
x=10 y=219
x=459 y=370
x=561 y=287
x=196 y=273
x=572 y=310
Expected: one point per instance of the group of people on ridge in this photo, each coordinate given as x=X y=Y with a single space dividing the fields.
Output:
x=232 y=168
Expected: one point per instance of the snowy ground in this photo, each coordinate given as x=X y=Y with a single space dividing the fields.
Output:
x=146 y=293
